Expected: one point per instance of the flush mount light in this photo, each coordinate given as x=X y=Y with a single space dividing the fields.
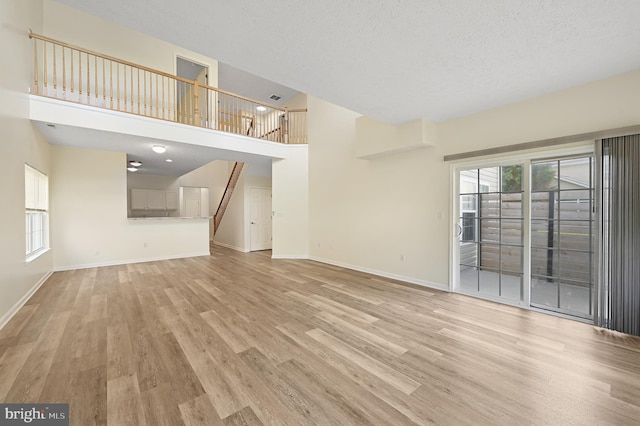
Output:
x=159 y=149
x=135 y=163
x=132 y=169
x=169 y=160
x=261 y=108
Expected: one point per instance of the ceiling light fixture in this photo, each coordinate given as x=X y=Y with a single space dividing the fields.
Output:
x=135 y=163
x=132 y=169
x=159 y=149
x=169 y=160
x=261 y=108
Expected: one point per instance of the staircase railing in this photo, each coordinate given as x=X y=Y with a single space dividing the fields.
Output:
x=226 y=197
x=71 y=73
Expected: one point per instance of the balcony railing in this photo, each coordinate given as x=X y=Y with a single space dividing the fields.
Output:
x=74 y=74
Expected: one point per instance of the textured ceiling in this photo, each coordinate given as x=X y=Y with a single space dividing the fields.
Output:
x=398 y=60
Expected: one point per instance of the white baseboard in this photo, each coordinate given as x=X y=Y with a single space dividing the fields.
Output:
x=24 y=299
x=127 y=261
x=412 y=280
x=290 y=256
x=229 y=246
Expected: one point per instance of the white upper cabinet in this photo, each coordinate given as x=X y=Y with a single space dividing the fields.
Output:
x=153 y=199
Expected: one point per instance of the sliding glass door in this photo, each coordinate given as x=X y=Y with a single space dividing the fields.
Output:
x=525 y=234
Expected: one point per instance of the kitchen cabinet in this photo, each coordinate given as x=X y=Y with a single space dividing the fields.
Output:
x=153 y=199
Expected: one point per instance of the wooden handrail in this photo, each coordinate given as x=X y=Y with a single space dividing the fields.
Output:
x=277 y=129
x=107 y=57
x=226 y=196
x=75 y=74
x=151 y=70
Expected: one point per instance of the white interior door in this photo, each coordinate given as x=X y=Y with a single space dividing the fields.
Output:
x=260 y=215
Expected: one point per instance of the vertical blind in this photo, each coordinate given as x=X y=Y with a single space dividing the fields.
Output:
x=619 y=276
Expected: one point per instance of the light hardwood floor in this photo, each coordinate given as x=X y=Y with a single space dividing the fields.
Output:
x=240 y=339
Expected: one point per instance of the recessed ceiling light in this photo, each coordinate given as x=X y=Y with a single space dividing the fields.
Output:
x=261 y=108
x=159 y=149
x=132 y=169
x=135 y=163
x=169 y=160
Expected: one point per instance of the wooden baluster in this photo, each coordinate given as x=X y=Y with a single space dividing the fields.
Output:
x=80 y=75
x=95 y=78
x=95 y=85
x=195 y=103
x=72 y=89
x=35 y=66
x=44 y=68
x=110 y=84
x=157 y=98
x=144 y=80
x=118 y=83
x=104 y=86
x=55 y=76
x=64 y=75
x=163 y=78
x=124 y=85
x=131 y=68
x=138 y=90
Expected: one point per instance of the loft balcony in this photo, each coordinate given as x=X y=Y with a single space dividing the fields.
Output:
x=73 y=74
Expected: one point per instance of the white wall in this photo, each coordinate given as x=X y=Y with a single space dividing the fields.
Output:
x=297 y=102
x=605 y=104
x=89 y=216
x=379 y=215
x=20 y=144
x=290 y=204
x=390 y=215
x=87 y=31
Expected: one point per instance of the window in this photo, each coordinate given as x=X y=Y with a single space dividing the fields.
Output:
x=36 y=194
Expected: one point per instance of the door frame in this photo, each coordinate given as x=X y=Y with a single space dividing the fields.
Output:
x=207 y=68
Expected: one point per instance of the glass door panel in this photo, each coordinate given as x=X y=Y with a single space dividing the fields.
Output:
x=491 y=232
x=562 y=235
